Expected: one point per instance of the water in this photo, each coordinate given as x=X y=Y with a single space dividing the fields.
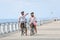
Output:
x=16 y=20
x=8 y=20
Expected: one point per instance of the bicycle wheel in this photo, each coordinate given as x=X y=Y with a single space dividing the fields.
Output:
x=32 y=30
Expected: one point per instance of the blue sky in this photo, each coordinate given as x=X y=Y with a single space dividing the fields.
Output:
x=43 y=9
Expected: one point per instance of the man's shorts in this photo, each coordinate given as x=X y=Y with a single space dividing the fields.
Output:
x=23 y=25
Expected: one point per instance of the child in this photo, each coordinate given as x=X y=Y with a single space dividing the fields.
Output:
x=33 y=21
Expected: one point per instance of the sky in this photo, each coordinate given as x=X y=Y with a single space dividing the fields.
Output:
x=43 y=9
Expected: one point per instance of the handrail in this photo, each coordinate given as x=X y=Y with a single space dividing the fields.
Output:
x=8 y=27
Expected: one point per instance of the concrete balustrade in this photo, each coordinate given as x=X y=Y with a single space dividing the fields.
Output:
x=46 y=21
x=8 y=27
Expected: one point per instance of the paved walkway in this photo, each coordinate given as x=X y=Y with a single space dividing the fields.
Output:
x=49 y=31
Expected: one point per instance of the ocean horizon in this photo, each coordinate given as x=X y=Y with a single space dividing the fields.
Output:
x=8 y=20
x=16 y=20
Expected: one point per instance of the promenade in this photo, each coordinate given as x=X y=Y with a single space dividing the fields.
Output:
x=50 y=31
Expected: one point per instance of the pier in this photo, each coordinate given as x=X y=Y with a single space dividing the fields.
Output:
x=47 y=30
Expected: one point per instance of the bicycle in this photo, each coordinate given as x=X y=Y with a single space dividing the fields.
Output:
x=32 y=32
x=23 y=29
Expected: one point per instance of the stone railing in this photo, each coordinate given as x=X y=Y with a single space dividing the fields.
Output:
x=8 y=27
x=41 y=22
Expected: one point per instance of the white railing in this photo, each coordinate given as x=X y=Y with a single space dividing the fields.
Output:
x=8 y=27
x=47 y=21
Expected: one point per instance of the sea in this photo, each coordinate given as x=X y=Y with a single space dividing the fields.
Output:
x=8 y=20
x=16 y=20
x=12 y=20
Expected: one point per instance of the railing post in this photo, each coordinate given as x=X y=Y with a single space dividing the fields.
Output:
x=8 y=27
x=17 y=25
x=14 y=26
x=0 y=29
x=6 y=30
x=11 y=27
x=4 y=27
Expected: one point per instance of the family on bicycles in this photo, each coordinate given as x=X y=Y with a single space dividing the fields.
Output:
x=32 y=22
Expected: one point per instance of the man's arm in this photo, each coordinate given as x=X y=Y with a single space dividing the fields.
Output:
x=26 y=14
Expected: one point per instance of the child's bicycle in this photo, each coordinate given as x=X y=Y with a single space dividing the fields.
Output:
x=24 y=30
x=32 y=30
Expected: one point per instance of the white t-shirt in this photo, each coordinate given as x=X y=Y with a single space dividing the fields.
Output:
x=32 y=19
x=22 y=19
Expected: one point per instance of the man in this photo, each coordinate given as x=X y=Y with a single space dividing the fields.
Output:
x=22 y=22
